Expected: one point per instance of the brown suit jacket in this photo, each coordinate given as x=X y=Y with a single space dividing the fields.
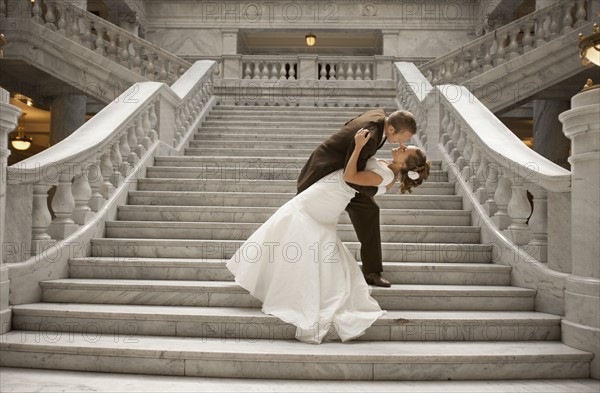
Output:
x=335 y=151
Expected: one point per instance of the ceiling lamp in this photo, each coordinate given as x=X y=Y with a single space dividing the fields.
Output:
x=20 y=141
x=589 y=47
x=311 y=39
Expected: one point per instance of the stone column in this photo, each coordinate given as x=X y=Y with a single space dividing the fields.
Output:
x=229 y=41
x=548 y=138
x=9 y=115
x=67 y=114
x=581 y=325
x=390 y=42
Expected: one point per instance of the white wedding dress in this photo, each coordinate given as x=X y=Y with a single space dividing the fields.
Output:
x=298 y=267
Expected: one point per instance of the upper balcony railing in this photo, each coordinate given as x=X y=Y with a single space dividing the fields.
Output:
x=102 y=37
x=506 y=43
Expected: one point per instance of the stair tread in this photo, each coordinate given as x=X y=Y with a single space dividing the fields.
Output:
x=206 y=263
x=162 y=312
x=246 y=225
x=167 y=347
x=227 y=286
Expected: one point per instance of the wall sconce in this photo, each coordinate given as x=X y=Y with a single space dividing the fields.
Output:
x=311 y=39
x=20 y=141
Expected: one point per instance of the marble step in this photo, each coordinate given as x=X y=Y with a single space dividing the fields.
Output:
x=293 y=109
x=261 y=214
x=293 y=122
x=237 y=172
x=254 y=152
x=254 y=136
x=266 y=144
x=229 y=294
x=198 y=198
x=242 y=231
x=265 y=129
x=252 y=324
x=189 y=161
x=271 y=117
x=257 y=186
x=215 y=270
x=289 y=359
x=224 y=249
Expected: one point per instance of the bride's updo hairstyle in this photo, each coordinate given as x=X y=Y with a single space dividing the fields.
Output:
x=415 y=164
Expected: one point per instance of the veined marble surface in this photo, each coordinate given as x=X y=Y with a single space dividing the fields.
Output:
x=35 y=380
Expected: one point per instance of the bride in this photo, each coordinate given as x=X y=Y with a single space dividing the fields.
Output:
x=299 y=268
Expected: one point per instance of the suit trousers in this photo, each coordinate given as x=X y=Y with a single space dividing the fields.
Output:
x=364 y=215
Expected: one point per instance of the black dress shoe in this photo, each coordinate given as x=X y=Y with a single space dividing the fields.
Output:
x=377 y=280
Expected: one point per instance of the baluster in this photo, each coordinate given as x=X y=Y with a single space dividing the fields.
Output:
x=322 y=72
x=272 y=71
x=50 y=16
x=163 y=74
x=499 y=56
x=137 y=59
x=281 y=71
x=62 y=21
x=111 y=51
x=448 y=69
x=519 y=210
x=351 y=72
x=247 y=71
x=96 y=181
x=474 y=163
x=502 y=197
x=555 y=24
x=3 y=9
x=106 y=168
x=486 y=63
x=490 y=176
x=527 y=37
x=461 y=162
x=150 y=67
x=332 y=73
x=125 y=56
x=456 y=135
x=474 y=64
x=133 y=158
x=82 y=192
x=567 y=19
x=540 y=34
x=341 y=75
x=154 y=121
x=87 y=32
x=63 y=205
x=41 y=219
x=74 y=28
x=178 y=126
x=36 y=11
x=99 y=39
x=359 y=72
x=461 y=70
x=116 y=177
x=264 y=70
x=124 y=149
x=513 y=46
x=368 y=74
x=140 y=150
x=292 y=71
x=538 y=222
x=146 y=142
x=580 y=14
x=465 y=167
x=480 y=174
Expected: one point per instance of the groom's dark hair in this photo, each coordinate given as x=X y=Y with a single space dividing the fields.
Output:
x=402 y=120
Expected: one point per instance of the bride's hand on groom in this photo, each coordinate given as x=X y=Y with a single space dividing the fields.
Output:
x=361 y=138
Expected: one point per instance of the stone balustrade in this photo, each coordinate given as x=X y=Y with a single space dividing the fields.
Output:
x=506 y=43
x=104 y=38
x=307 y=67
x=92 y=170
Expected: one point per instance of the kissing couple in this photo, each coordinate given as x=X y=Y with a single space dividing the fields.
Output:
x=297 y=265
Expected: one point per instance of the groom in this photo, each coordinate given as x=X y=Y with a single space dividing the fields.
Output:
x=334 y=153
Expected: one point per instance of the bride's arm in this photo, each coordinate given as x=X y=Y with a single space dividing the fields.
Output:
x=362 y=178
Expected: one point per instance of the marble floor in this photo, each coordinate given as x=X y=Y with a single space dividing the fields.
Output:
x=36 y=380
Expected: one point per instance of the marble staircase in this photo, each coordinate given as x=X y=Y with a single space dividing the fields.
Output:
x=154 y=296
